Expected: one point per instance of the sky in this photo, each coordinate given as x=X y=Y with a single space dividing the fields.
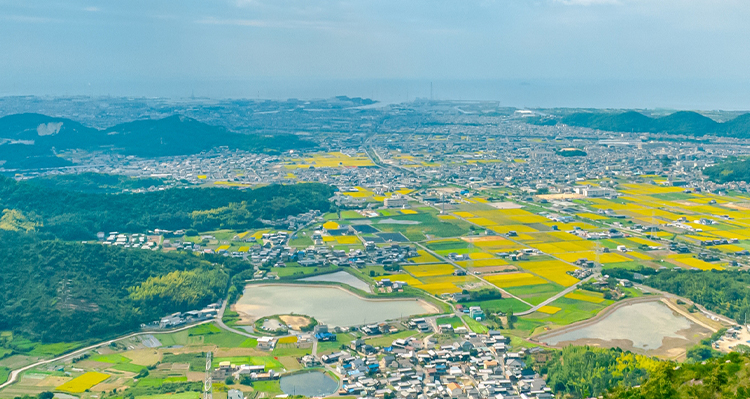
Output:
x=684 y=54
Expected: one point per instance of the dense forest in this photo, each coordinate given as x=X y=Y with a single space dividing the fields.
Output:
x=61 y=291
x=681 y=122
x=721 y=378
x=726 y=292
x=35 y=139
x=95 y=182
x=582 y=372
x=76 y=215
x=737 y=170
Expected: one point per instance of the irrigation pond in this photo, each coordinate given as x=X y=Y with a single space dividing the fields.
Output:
x=330 y=305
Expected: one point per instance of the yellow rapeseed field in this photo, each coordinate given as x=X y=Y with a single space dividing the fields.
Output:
x=552 y=270
x=424 y=257
x=439 y=269
x=549 y=309
x=507 y=280
x=577 y=295
x=83 y=382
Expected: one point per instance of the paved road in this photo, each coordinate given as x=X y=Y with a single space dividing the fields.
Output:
x=221 y=324
x=556 y=297
x=15 y=373
x=456 y=265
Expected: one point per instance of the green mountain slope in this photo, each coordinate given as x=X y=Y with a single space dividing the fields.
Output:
x=29 y=141
x=76 y=215
x=730 y=171
x=681 y=122
x=60 y=291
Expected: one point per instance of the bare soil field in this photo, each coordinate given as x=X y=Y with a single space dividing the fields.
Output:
x=143 y=357
x=295 y=322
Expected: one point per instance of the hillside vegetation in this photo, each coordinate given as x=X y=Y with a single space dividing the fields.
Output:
x=726 y=292
x=30 y=141
x=738 y=170
x=581 y=372
x=60 y=291
x=681 y=122
x=95 y=182
x=77 y=215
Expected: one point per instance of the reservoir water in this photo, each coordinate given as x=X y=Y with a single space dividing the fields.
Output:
x=329 y=305
x=309 y=384
x=645 y=325
x=340 y=277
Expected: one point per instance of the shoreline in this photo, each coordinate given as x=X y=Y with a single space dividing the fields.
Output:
x=672 y=347
x=601 y=315
x=427 y=306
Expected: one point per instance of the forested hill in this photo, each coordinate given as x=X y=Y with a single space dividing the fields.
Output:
x=738 y=170
x=77 y=215
x=62 y=291
x=96 y=182
x=34 y=140
x=682 y=122
x=582 y=372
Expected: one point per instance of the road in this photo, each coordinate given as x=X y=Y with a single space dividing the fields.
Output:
x=556 y=297
x=221 y=324
x=13 y=377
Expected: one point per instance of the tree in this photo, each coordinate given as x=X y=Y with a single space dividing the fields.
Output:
x=229 y=380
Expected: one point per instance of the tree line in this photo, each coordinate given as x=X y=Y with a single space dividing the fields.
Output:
x=78 y=215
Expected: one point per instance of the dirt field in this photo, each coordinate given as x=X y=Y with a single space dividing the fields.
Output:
x=231 y=352
x=245 y=319
x=195 y=376
x=290 y=363
x=296 y=322
x=109 y=386
x=53 y=381
x=143 y=357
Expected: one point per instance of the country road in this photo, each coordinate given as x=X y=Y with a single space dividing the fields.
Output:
x=13 y=377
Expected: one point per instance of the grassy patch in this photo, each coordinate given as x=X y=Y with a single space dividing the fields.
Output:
x=271 y=387
x=454 y=321
x=114 y=358
x=130 y=367
x=290 y=350
x=475 y=326
x=386 y=340
x=181 y=395
x=535 y=294
x=225 y=339
x=499 y=305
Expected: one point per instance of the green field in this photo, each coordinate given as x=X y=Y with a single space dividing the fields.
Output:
x=181 y=395
x=428 y=224
x=130 y=367
x=4 y=373
x=114 y=358
x=270 y=387
x=571 y=311
x=157 y=382
x=475 y=326
x=386 y=340
x=535 y=294
x=454 y=321
x=499 y=305
x=268 y=361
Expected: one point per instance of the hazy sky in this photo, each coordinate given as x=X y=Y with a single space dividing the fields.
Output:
x=650 y=53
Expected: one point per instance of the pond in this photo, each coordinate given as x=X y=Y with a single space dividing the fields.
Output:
x=334 y=306
x=340 y=277
x=309 y=384
x=641 y=327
